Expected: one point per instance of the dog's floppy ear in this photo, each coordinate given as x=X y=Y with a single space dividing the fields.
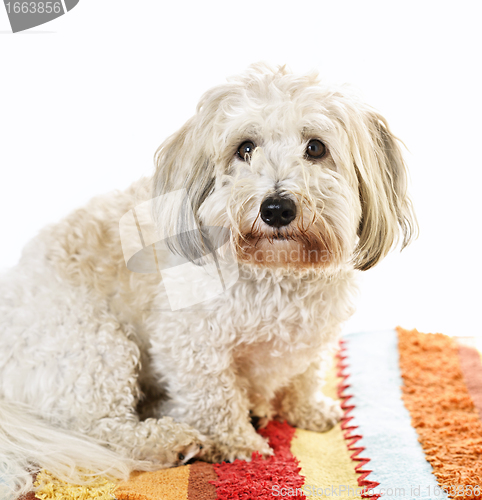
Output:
x=184 y=165
x=387 y=214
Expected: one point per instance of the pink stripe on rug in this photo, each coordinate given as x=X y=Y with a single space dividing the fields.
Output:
x=472 y=371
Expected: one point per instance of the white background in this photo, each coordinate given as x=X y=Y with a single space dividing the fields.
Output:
x=86 y=99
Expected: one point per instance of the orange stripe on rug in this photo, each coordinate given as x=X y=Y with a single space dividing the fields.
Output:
x=168 y=484
x=442 y=410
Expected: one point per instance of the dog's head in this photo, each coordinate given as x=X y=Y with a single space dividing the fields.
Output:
x=302 y=175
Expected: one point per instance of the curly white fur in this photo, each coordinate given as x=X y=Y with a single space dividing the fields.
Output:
x=93 y=349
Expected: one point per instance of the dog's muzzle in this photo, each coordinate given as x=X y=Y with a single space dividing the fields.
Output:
x=277 y=211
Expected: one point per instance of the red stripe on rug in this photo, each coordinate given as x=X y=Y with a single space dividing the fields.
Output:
x=263 y=478
x=350 y=436
x=472 y=371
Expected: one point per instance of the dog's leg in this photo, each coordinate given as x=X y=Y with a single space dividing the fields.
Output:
x=161 y=441
x=303 y=405
x=107 y=392
x=211 y=399
x=68 y=358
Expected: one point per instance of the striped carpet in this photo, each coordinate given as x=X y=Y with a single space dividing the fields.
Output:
x=412 y=429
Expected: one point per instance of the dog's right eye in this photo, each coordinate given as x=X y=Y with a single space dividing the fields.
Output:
x=315 y=149
x=246 y=150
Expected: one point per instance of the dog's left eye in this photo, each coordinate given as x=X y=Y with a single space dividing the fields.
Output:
x=246 y=150
x=315 y=149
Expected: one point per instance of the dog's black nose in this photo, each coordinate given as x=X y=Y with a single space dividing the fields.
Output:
x=277 y=211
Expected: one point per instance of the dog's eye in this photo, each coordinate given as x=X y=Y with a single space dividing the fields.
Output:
x=246 y=150
x=315 y=149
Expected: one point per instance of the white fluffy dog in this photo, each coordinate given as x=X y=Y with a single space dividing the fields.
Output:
x=311 y=185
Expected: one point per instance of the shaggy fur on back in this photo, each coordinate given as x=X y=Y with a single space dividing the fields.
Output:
x=95 y=363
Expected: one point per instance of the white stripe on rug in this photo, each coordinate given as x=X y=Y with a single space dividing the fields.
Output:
x=396 y=457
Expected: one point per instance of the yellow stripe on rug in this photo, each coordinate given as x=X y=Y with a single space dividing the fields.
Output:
x=50 y=487
x=324 y=457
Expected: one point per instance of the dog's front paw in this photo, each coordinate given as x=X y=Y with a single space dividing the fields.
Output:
x=182 y=453
x=189 y=444
x=317 y=416
x=238 y=446
x=178 y=443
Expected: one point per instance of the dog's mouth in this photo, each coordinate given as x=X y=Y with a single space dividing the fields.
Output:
x=282 y=248
x=279 y=237
x=269 y=236
x=294 y=245
x=272 y=238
